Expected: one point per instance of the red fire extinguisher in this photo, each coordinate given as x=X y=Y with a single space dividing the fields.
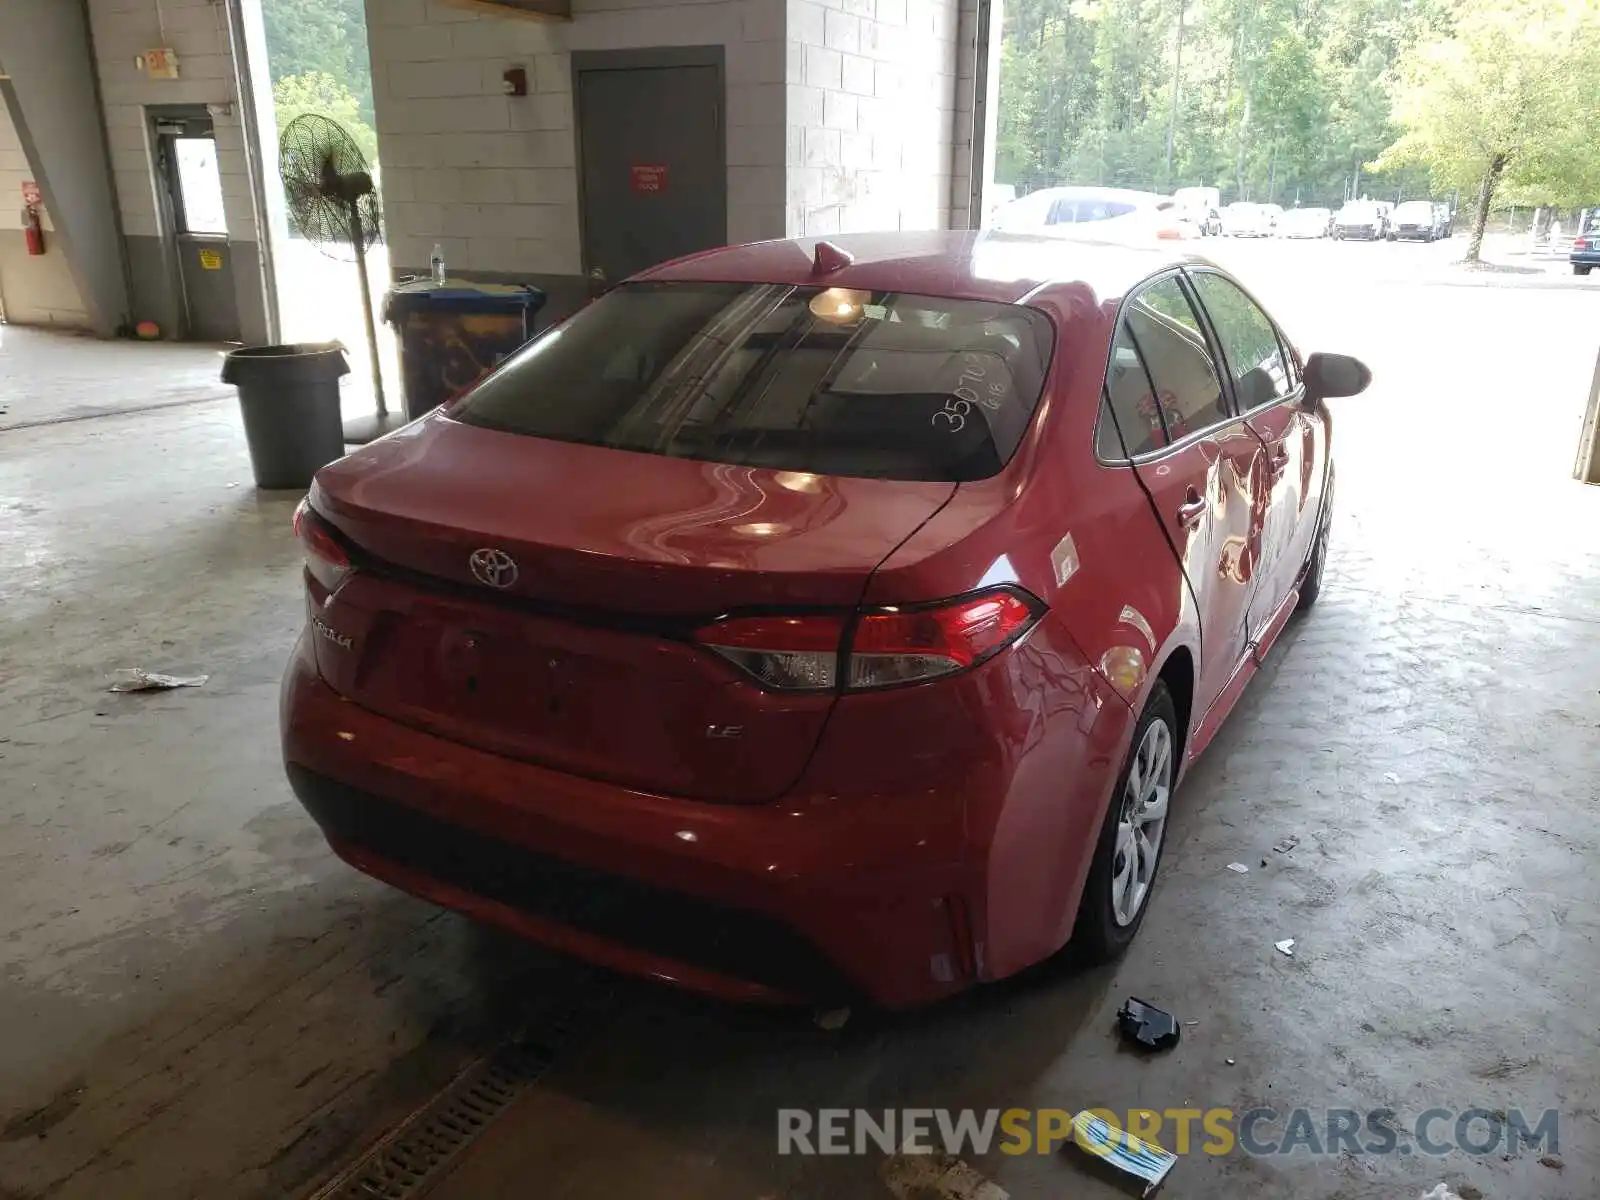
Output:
x=33 y=230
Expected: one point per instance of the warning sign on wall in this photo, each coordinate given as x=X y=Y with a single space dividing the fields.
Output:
x=649 y=178
x=211 y=260
x=31 y=196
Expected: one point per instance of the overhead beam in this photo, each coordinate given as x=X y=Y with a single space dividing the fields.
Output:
x=538 y=10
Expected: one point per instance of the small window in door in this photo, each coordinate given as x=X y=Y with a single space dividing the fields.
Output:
x=1130 y=420
x=1162 y=325
x=199 y=185
x=1249 y=342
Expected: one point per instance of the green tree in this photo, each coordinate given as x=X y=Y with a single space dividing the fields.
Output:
x=1511 y=98
x=321 y=35
x=1277 y=99
x=320 y=92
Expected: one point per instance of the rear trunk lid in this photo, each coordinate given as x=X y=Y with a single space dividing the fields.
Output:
x=537 y=599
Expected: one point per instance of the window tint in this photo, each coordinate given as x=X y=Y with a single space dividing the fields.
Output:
x=1162 y=325
x=826 y=380
x=1074 y=212
x=1134 y=414
x=1249 y=342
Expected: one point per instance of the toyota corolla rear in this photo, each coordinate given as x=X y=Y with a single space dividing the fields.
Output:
x=604 y=654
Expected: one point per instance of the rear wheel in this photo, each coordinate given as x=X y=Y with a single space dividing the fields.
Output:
x=1580 y=268
x=1126 y=858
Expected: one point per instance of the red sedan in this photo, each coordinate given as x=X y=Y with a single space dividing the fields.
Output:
x=809 y=620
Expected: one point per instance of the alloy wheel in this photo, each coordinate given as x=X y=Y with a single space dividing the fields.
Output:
x=1141 y=823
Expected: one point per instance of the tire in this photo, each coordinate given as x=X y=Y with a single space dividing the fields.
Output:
x=1581 y=268
x=1102 y=931
x=1316 y=565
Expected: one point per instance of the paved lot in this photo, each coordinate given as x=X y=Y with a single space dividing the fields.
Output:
x=197 y=1000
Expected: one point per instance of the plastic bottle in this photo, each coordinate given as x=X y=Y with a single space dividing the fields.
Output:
x=436 y=263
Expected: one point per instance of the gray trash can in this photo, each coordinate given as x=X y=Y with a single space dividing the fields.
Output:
x=289 y=396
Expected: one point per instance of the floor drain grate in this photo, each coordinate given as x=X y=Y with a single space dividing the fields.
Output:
x=418 y=1152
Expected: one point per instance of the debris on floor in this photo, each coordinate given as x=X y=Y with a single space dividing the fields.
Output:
x=1287 y=844
x=1238 y=868
x=1468 y=1192
x=1096 y=1141
x=1285 y=947
x=137 y=679
x=1146 y=1026
x=1554 y=1161
x=1441 y=1192
x=831 y=1018
x=1390 y=777
x=910 y=1176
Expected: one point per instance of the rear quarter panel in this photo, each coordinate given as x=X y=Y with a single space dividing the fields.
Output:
x=1081 y=536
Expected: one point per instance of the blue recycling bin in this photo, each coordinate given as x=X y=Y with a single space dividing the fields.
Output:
x=452 y=334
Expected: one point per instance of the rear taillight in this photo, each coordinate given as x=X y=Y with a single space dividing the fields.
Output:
x=1580 y=243
x=326 y=561
x=883 y=647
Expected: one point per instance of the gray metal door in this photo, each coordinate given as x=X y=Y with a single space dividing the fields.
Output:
x=650 y=144
x=186 y=158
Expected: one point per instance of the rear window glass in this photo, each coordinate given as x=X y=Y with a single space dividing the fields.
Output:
x=826 y=380
x=1078 y=212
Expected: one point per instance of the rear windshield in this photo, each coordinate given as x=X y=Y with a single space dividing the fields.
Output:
x=826 y=380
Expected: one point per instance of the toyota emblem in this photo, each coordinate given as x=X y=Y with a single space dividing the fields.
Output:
x=493 y=568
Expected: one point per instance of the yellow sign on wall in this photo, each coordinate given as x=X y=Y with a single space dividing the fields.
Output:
x=211 y=260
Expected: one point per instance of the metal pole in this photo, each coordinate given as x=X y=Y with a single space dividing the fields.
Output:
x=986 y=37
x=366 y=308
x=1587 y=468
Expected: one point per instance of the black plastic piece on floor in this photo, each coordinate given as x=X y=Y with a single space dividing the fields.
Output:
x=1147 y=1026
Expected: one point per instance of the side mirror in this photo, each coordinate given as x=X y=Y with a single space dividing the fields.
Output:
x=1329 y=375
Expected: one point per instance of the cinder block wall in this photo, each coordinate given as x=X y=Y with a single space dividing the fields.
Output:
x=871 y=115
x=198 y=31
x=35 y=290
x=493 y=179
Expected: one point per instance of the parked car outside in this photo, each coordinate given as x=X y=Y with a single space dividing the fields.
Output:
x=1200 y=222
x=997 y=197
x=1305 y=223
x=802 y=621
x=1113 y=214
x=1244 y=219
x=1415 y=221
x=1585 y=253
x=1199 y=207
x=1359 y=219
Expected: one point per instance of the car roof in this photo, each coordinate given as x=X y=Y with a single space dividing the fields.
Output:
x=1072 y=191
x=960 y=264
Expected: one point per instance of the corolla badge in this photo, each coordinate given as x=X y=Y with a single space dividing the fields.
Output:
x=493 y=568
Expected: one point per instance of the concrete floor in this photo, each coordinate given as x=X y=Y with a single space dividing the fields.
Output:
x=197 y=1000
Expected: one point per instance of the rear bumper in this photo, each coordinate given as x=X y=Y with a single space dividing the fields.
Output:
x=1584 y=258
x=803 y=900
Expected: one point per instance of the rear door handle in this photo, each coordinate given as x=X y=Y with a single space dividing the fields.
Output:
x=1192 y=510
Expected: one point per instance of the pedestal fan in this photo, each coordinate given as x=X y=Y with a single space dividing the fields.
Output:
x=333 y=201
